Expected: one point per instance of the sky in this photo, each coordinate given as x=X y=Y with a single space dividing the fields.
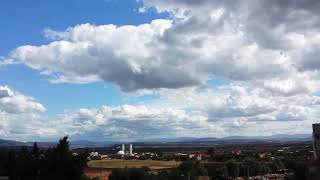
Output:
x=128 y=70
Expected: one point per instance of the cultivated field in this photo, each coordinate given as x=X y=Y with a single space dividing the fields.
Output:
x=103 y=174
x=112 y=164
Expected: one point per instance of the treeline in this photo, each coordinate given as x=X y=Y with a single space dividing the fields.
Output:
x=251 y=167
x=187 y=170
x=36 y=164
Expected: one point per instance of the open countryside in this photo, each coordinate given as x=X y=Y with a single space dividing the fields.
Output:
x=160 y=90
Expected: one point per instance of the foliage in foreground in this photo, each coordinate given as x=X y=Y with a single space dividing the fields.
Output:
x=55 y=163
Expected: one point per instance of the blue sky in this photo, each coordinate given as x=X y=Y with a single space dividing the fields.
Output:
x=25 y=20
x=131 y=70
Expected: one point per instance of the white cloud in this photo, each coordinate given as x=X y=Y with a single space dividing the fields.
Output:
x=19 y=116
x=226 y=111
x=223 y=111
x=242 y=105
x=14 y=102
x=124 y=55
x=3 y=125
x=132 y=122
x=250 y=40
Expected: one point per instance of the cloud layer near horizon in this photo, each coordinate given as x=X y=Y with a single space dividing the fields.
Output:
x=268 y=50
x=228 y=110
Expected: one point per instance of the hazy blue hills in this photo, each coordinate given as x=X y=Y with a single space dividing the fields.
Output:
x=10 y=143
x=180 y=140
x=278 y=137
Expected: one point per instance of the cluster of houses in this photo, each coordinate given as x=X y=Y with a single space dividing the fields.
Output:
x=146 y=155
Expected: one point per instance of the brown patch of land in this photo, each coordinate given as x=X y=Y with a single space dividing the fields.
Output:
x=113 y=164
x=103 y=174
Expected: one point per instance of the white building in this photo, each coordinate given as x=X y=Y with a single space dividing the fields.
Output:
x=122 y=151
x=93 y=154
x=130 y=150
x=316 y=140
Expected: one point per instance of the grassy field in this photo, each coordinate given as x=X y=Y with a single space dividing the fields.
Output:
x=111 y=164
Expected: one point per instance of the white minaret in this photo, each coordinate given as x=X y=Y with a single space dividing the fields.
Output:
x=130 y=151
x=316 y=140
x=123 y=148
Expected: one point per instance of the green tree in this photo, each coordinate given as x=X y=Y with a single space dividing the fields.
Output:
x=250 y=166
x=277 y=165
x=211 y=153
x=263 y=168
x=233 y=168
x=222 y=173
x=60 y=163
x=192 y=169
x=35 y=151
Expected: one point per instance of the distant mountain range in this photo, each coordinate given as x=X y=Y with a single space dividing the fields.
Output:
x=73 y=144
x=278 y=137
x=180 y=140
x=6 y=143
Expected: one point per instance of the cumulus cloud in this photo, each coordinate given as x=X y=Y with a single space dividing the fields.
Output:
x=20 y=117
x=239 y=101
x=224 y=111
x=14 y=102
x=270 y=39
x=133 y=122
x=28 y=127
x=124 y=55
